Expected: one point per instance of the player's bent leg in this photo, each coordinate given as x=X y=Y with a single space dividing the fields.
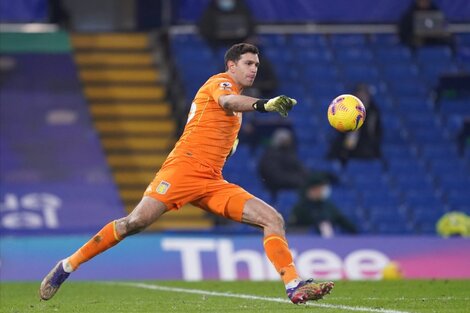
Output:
x=257 y=212
x=146 y=212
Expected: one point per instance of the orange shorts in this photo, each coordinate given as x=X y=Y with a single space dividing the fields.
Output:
x=185 y=180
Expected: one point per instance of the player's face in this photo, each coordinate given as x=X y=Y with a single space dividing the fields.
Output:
x=245 y=69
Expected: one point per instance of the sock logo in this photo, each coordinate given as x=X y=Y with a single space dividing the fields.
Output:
x=163 y=187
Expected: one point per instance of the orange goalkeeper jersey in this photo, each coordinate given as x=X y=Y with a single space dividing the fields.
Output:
x=210 y=130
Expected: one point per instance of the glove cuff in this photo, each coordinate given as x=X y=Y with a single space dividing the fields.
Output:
x=259 y=105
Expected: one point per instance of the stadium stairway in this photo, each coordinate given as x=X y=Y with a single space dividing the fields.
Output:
x=122 y=81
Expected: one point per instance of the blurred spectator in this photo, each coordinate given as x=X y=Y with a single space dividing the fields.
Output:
x=314 y=209
x=226 y=22
x=423 y=24
x=454 y=224
x=280 y=167
x=364 y=143
x=58 y=14
x=463 y=136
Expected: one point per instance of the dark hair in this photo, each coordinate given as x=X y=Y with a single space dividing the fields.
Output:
x=235 y=52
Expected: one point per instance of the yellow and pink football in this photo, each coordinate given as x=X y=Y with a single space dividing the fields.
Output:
x=346 y=113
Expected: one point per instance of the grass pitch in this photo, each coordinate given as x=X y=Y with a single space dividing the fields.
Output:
x=423 y=296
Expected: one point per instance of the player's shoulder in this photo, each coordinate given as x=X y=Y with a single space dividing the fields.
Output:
x=222 y=81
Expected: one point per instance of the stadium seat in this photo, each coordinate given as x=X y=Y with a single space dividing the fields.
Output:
x=326 y=89
x=384 y=40
x=360 y=73
x=347 y=40
x=457 y=106
x=359 y=56
x=314 y=56
x=313 y=73
x=279 y=55
x=395 y=73
x=434 y=54
x=393 y=54
x=414 y=104
x=286 y=201
x=457 y=198
x=272 y=40
x=423 y=119
x=463 y=39
x=308 y=41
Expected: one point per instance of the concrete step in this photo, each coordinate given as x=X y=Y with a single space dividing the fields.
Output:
x=106 y=75
x=152 y=93
x=129 y=109
x=103 y=59
x=127 y=41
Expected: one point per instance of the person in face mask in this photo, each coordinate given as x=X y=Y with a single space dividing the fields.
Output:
x=315 y=211
x=226 y=22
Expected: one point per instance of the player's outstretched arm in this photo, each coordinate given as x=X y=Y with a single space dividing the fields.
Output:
x=240 y=103
x=280 y=104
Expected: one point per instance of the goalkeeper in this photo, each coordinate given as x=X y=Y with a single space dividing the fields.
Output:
x=192 y=173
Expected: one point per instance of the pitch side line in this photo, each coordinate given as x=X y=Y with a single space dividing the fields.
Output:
x=252 y=297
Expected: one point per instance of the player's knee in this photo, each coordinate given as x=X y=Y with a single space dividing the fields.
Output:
x=130 y=225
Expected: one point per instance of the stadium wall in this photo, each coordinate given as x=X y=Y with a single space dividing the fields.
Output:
x=202 y=257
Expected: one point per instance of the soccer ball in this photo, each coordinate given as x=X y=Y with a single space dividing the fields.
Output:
x=346 y=113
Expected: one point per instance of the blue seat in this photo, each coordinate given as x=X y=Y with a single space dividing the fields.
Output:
x=463 y=39
x=426 y=214
x=433 y=54
x=190 y=56
x=454 y=124
x=272 y=40
x=364 y=166
x=384 y=40
x=279 y=55
x=457 y=106
x=407 y=166
x=407 y=87
x=438 y=151
x=413 y=181
x=357 y=55
x=286 y=201
x=360 y=73
x=389 y=220
x=420 y=199
x=319 y=72
x=432 y=72
x=326 y=89
x=397 y=151
x=315 y=56
x=401 y=227
x=393 y=54
x=308 y=41
x=187 y=40
x=427 y=135
x=372 y=198
x=394 y=73
x=421 y=120
x=457 y=198
x=345 y=196
x=347 y=40
x=414 y=104
x=294 y=90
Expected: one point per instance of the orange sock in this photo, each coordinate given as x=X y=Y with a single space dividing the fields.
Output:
x=278 y=253
x=106 y=238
